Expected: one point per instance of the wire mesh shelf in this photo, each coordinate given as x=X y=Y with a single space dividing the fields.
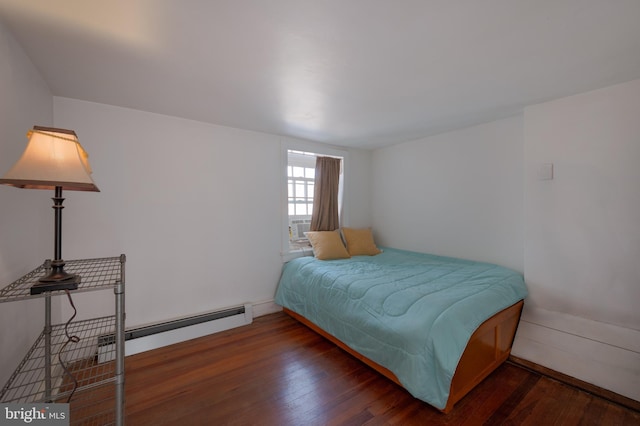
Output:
x=95 y=274
x=89 y=362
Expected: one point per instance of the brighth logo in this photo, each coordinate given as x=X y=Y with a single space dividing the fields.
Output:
x=28 y=415
x=39 y=414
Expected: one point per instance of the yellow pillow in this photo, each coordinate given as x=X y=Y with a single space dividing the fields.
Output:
x=360 y=242
x=327 y=245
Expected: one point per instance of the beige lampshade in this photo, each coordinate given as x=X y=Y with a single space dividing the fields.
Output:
x=53 y=157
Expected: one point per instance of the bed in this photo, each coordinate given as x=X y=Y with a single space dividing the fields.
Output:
x=435 y=325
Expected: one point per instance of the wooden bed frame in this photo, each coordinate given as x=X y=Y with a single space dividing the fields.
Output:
x=488 y=347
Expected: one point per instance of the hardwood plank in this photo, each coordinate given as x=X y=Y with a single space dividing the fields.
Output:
x=572 y=381
x=495 y=397
x=514 y=401
x=278 y=372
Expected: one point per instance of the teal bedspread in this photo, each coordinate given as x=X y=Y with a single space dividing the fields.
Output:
x=410 y=312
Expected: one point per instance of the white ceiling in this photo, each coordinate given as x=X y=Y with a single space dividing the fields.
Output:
x=360 y=73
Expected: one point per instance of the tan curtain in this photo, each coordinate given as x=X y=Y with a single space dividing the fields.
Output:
x=325 y=196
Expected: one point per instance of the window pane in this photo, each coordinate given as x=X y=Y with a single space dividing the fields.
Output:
x=292 y=209
x=298 y=171
x=310 y=173
x=290 y=189
x=310 y=189
x=301 y=208
x=310 y=208
x=299 y=189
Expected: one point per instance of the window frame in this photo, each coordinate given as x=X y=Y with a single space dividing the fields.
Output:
x=287 y=252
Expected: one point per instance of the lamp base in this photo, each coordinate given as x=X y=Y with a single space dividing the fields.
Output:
x=55 y=282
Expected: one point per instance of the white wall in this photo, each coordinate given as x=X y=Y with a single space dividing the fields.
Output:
x=455 y=194
x=196 y=208
x=26 y=217
x=582 y=237
x=358 y=190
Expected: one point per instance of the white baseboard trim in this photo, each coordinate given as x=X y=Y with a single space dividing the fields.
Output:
x=602 y=354
x=265 y=307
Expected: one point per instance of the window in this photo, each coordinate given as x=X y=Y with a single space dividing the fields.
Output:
x=300 y=187
x=298 y=192
x=300 y=184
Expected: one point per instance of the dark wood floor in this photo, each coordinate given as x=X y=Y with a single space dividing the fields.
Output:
x=277 y=372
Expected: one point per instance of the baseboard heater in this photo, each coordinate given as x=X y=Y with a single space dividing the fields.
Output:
x=140 y=339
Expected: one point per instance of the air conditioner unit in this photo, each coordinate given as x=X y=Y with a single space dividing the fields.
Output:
x=298 y=228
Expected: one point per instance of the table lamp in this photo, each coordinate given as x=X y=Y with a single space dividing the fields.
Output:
x=53 y=159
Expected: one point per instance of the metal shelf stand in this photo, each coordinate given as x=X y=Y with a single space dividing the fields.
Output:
x=95 y=360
